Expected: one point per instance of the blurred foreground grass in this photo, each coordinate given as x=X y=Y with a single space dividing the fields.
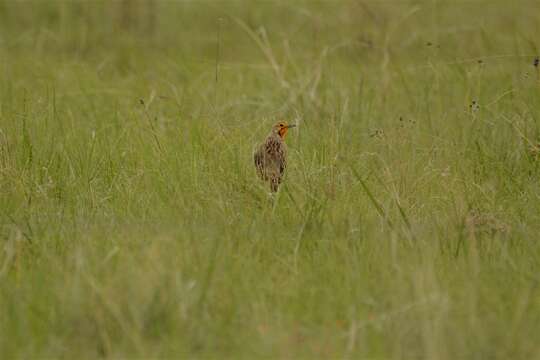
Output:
x=132 y=223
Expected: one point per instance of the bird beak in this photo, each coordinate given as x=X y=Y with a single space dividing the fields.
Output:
x=290 y=126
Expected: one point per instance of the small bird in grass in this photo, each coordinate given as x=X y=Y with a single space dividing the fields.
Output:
x=271 y=156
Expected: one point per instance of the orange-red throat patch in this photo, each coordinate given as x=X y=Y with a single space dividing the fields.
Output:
x=283 y=131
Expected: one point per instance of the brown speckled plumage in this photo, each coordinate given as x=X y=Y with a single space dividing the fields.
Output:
x=271 y=156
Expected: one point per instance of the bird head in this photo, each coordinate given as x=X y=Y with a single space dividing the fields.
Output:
x=281 y=128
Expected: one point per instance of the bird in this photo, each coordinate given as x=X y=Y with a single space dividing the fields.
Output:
x=270 y=157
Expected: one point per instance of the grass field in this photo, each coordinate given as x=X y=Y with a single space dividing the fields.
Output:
x=132 y=223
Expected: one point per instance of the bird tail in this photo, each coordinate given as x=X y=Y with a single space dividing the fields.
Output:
x=274 y=184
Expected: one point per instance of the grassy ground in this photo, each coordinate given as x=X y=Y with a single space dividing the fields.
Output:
x=132 y=223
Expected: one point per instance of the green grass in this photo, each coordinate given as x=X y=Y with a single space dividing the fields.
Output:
x=132 y=223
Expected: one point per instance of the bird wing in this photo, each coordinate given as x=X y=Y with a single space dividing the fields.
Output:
x=259 y=160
